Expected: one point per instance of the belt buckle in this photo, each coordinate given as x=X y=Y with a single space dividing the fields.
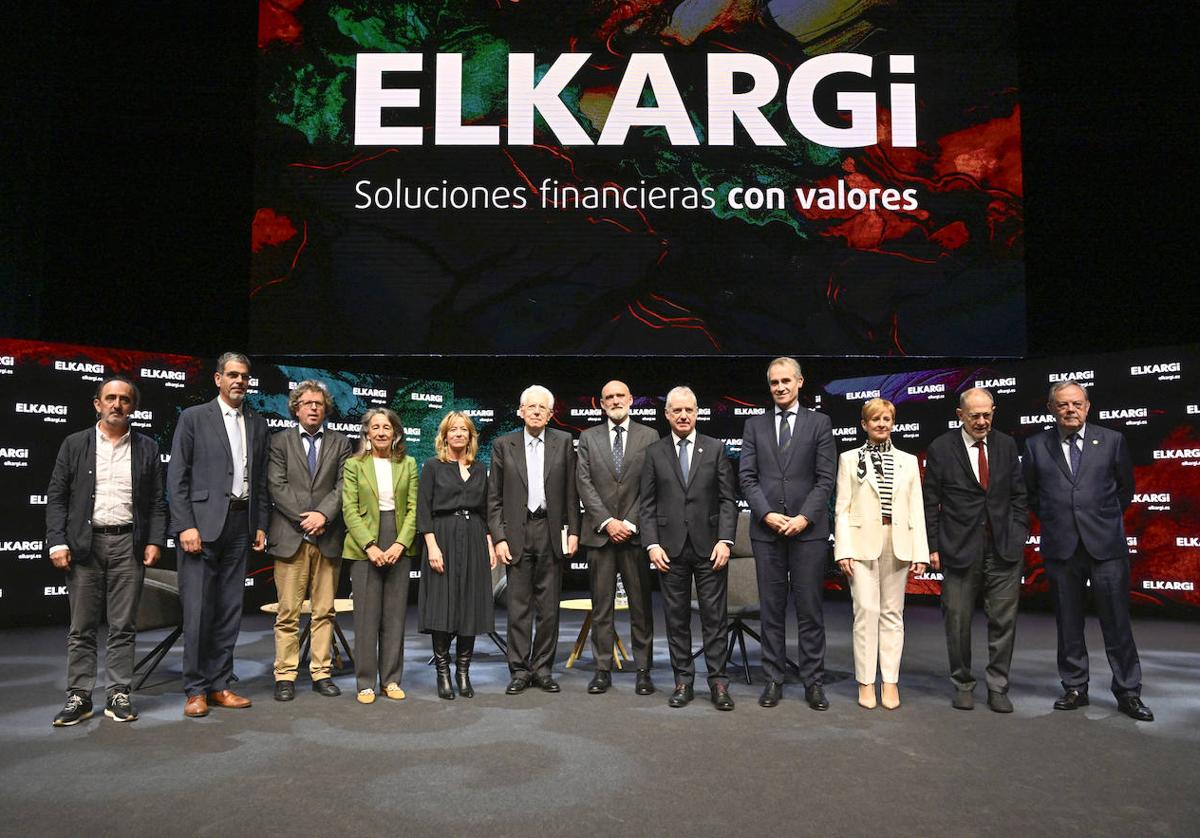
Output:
x=466 y=513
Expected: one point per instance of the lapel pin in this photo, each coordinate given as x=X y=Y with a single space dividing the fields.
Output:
x=1095 y=442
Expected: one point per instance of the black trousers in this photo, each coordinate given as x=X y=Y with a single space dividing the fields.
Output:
x=1000 y=582
x=604 y=563
x=783 y=566
x=534 y=586
x=1110 y=594
x=712 y=588
x=212 y=585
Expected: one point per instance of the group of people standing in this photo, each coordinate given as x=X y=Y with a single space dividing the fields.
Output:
x=311 y=498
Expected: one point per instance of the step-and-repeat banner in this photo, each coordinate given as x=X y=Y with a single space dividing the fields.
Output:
x=1149 y=395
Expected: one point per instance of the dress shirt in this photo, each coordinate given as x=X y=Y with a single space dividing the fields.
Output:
x=235 y=429
x=973 y=452
x=535 y=460
x=383 y=477
x=1066 y=449
x=790 y=410
x=612 y=439
x=113 y=506
x=320 y=438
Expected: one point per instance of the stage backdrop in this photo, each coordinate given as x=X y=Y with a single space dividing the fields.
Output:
x=1150 y=395
x=495 y=177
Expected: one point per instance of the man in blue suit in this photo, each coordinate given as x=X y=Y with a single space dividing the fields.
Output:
x=217 y=484
x=787 y=471
x=1080 y=481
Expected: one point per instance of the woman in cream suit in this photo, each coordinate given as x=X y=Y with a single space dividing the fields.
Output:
x=379 y=504
x=879 y=539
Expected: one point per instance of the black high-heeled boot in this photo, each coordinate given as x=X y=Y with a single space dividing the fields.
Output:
x=462 y=666
x=441 y=660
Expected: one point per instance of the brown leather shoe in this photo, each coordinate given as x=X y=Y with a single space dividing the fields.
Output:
x=197 y=706
x=229 y=699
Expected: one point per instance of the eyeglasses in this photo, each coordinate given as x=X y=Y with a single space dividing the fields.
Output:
x=977 y=416
x=311 y=403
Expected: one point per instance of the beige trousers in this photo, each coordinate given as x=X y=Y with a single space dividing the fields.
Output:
x=878 y=591
x=293 y=578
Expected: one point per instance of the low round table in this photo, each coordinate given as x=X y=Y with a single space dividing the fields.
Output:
x=619 y=651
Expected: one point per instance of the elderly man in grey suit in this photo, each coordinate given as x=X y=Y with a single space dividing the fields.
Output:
x=533 y=518
x=305 y=541
x=217 y=486
x=608 y=477
x=106 y=521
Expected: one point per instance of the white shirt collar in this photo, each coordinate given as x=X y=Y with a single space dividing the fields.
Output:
x=226 y=406
x=624 y=425
x=304 y=433
x=530 y=437
x=101 y=436
x=793 y=408
x=1063 y=437
x=969 y=440
x=691 y=438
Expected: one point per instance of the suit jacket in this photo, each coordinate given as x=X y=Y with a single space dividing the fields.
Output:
x=957 y=507
x=508 y=490
x=858 y=531
x=1089 y=505
x=360 y=504
x=71 y=496
x=702 y=512
x=798 y=481
x=294 y=491
x=200 y=473
x=603 y=494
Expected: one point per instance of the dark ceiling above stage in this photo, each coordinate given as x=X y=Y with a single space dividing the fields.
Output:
x=127 y=176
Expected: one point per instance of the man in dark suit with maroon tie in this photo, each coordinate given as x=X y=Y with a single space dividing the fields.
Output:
x=977 y=520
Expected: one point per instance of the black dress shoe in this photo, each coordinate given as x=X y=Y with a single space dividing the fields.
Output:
x=518 y=684
x=285 y=690
x=546 y=683
x=600 y=682
x=1072 y=699
x=326 y=687
x=644 y=685
x=815 y=696
x=682 y=696
x=999 y=702
x=721 y=697
x=771 y=694
x=1132 y=707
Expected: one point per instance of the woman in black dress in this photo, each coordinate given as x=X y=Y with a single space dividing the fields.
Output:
x=455 y=596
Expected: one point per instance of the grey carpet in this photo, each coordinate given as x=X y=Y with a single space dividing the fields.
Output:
x=617 y=764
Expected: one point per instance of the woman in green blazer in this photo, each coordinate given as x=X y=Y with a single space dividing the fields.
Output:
x=379 y=504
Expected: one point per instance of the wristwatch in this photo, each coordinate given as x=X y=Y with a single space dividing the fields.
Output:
x=370 y=544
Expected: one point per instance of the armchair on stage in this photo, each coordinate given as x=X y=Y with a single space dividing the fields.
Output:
x=742 y=603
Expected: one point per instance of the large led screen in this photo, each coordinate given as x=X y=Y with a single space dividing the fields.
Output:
x=684 y=178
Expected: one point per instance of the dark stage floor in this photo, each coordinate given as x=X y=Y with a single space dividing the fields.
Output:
x=613 y=764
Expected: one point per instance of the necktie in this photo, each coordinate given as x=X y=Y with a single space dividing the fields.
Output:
x=1073 y=444
x=683 y=459
x=983 y=464
x=312 y=453
x=537 y=488
x=239 y=456
x=785 y=431
x=618 y=450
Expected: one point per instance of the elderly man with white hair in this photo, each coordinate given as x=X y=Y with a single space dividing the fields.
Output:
x=533 y=518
